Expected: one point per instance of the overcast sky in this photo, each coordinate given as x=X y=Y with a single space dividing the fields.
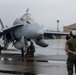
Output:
x=45 y=12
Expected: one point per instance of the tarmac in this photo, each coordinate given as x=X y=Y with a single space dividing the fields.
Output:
x=47 y=61
x=13 y=64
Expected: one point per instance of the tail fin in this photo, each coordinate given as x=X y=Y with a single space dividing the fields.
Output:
x=1 y=23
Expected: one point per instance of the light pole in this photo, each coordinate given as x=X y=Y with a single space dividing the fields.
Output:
x=57 y=25
x=57 y=30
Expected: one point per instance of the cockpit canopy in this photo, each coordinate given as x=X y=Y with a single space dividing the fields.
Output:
x=27 y=16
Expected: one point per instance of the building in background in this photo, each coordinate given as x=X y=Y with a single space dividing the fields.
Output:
x=69 y=27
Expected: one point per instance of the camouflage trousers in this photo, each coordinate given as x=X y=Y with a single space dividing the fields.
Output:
x=71 y=62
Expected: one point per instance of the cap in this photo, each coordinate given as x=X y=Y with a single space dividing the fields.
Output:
x=74 y=32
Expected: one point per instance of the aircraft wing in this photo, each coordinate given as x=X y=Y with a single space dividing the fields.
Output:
x=55 y=33
x=10 y=28
x=4 y=30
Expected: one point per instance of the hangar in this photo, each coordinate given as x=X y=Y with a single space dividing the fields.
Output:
x=69 y=27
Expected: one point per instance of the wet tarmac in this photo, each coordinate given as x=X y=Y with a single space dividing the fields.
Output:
x=38 y=65
x=50 y=61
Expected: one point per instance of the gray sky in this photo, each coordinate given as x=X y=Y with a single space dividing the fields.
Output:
x=45 y=12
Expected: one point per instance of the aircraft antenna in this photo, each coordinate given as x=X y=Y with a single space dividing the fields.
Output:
x=1 y=23
x=27 y=10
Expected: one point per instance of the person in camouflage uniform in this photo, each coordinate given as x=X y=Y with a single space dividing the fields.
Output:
x=70 y=47
x=31 y=49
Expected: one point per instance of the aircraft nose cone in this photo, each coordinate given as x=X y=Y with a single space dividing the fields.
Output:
x=40 y=32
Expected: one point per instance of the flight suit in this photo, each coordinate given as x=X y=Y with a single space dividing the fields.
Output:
x=71 y=60
x=31 y=50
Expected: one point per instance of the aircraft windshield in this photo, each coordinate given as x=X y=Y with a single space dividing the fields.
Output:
x=27 y=16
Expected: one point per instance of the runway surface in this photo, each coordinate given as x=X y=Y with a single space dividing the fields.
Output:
x=38 y=65
x=47 y=61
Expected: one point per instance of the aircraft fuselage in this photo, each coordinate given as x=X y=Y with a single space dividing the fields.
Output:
x=30 y=29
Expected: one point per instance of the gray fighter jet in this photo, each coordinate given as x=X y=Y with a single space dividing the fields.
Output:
x=24 y=29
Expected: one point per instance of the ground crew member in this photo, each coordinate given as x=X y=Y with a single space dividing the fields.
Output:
x=31 y=49
x=70 y=47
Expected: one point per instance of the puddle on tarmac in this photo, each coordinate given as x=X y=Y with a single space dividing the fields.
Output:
x=17 y=72
x=31 y=60
x=19 y=59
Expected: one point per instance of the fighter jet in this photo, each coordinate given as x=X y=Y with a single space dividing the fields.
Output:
x=24 y=29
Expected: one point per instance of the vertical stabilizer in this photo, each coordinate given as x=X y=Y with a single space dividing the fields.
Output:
x=1 y=23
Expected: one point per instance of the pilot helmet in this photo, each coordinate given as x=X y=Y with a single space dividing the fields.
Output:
x=74 y=32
